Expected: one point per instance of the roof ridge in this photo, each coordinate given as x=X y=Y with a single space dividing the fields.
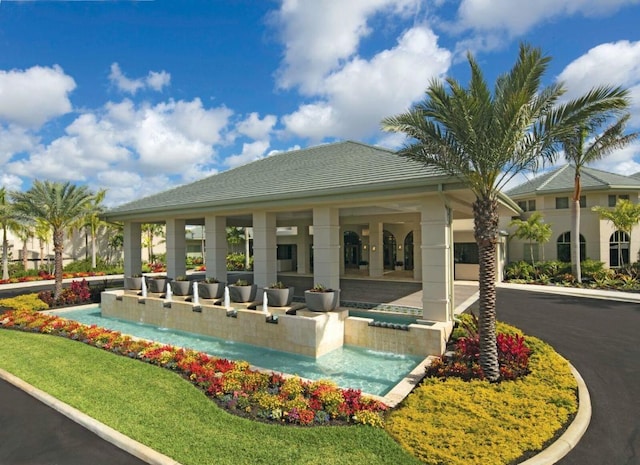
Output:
x=552 y=176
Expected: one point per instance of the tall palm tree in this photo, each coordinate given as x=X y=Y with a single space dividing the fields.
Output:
x=485 y=138
x=92 y=221
x=583 y=146
x=149 y=232
x=42 y=232
x=59 y=205
x=9 y=221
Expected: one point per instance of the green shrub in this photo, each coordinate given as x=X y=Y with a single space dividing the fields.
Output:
x=589 y=268
x=235 y=262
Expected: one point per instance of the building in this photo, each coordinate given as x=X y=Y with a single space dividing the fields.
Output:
x=551 y=194
x=344 y=205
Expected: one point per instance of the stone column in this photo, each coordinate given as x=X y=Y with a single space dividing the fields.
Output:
x=265 y=265
x=326 y=247
x=216 y=246
x=437 y=269
x=303 y=242
x=132 y=248
x=176 y=248
x=376 y=250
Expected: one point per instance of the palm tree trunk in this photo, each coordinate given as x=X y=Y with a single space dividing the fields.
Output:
x=575 y=240
x=485 y=213
x=58 y=248
x=25 y=250
x=41 y=262
x=5 y=255
x=93 y=250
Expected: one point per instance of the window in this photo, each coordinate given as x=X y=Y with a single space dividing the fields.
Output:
x=613 y=199
x=618 y=249
x=466 y=252
x=563 y=247
x=284 y=252
x=562 y=202
x=527 y=205
x=583 y=201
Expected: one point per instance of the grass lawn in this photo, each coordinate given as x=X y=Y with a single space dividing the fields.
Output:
x=161 y=410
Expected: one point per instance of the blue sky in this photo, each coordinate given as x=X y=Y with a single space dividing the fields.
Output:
x=137 y=97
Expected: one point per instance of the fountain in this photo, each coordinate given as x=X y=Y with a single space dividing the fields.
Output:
x=265 y=300
x=196 y=296
x=168 y=295
x=227 y=298
x=144 y=287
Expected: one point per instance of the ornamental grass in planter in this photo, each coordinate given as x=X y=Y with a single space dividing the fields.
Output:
x=211 y=288
x=133 y=282
x=181 y=286
x=242 y=291
x=279 y=295
x=322 y=299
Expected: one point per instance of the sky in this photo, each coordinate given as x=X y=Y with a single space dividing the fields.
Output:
x=137 y=97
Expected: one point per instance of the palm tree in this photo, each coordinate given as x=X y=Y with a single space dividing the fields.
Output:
x=9 y=220
x=92 y=221
x=42 y=232
x=583 y=146
x=484 y=139
x=59 y=205
x=624 y=217
x=24 y=231
x=150 y=232
x=533 y=229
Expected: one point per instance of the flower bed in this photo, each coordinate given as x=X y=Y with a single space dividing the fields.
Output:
x=44 y=276
x=232 y=384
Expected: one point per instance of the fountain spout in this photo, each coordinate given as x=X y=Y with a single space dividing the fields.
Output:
x=168 y=295
x=144 y=287
x=196 y=296
x=265 y=301
x=227 y=298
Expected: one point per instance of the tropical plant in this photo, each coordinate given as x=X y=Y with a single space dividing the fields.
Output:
x=278 y=285
x=485 y=138
x=533 y=229
x=59 y=205
x=42 y=232
x=583 y=145
x=149 y=233
x=92 y=221
x=9 y=220
x=624 y=216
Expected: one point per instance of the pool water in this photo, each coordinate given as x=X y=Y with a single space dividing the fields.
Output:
x=372 y=372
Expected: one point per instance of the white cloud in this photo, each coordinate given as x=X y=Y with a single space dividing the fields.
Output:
x=254 y=127
x=319 y=35
x=250 y=152
x=14 y=140
x=31 y=97
x=621 y=161
x=10 y=181
x=517 y=17
x=357 y=97
x=154 y=80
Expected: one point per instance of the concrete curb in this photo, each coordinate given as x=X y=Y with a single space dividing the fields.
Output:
x=574 y=432
x=107 y=433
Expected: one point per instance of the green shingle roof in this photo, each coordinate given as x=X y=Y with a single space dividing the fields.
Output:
x=562 y=179
x=331 y=168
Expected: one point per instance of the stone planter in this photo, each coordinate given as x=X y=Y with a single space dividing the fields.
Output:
x=181 y=287
x=211 y=290
x=157 y=285
x=133 y=283
x=279 y=297
x=322 y=301
x=243 y=293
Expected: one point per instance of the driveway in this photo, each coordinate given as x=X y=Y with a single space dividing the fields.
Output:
x=601 y=338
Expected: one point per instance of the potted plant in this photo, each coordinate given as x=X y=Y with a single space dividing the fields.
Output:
x=158 y=284
x=363 y=264
x=322 y=299
x=211 y=288
x=399 y=266
x=181 y=285
x=242 y=291
x=279 y=295
x=133 y=282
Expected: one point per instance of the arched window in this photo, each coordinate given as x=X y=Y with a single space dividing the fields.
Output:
x=619 y=249
x=564 y=247
x=408 y=251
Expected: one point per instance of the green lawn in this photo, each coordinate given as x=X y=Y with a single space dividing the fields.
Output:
x=158 y=408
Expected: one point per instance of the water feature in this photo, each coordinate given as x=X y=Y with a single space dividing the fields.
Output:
x=168 y=296
x=371 y=371
x=227 y=298
x=144 y=287
x=265 y=300
x=196 y=296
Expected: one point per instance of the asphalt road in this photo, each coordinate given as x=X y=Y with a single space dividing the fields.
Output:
x=601 y=339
